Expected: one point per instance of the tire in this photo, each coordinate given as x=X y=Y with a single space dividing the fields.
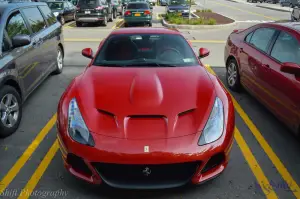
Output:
x=10 y=127
x=59 y=61
x=104 y=22
x=111 y=19
x=78 y=24
x=233 y=81
x=150 y=24
x=125 y=24
x=62 y=20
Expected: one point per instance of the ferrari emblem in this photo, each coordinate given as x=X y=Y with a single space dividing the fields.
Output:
x=146 y=149
x=147 y=171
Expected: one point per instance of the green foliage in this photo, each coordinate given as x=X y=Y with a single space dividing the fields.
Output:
x=204 y=10
x=175 y=19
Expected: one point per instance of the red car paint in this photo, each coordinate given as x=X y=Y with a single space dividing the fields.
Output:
x=146 y=91
x=262 y=76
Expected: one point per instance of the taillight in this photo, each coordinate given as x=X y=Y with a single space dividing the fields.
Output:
x=99 y=8
x=147 y=12
x=127 y=13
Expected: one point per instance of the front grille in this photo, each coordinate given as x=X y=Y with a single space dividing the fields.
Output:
x=138 y=176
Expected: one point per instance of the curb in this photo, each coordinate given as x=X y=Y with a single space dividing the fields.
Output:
x=277 y=9
x=198 y=27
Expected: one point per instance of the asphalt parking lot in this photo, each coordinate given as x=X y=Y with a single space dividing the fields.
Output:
x=265 y=158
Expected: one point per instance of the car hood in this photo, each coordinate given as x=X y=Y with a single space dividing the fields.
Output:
x=145 y=103
x=178 y=7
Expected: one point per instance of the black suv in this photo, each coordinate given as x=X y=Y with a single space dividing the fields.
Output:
x=32 y=48
x=94 y=11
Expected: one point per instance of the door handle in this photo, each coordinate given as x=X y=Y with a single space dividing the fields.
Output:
x=266 y=65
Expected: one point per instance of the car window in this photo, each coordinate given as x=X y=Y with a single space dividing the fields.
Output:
x=261 y=38
x=50 y=18
x=56 y=5
x=248 y=37
x=138 y=6
x=70 y=5
x=157 y=50
x=16 y=25
x=286 y=49
x=5 y=44
x=88 y=3
x=35 y=19
x=177 y=2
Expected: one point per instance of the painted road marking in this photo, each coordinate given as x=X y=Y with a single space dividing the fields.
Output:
x=252 y=13
x=100 y=39
x=267 y=148
x=26 y=155
x=118 y=23
x=254 y=21
x=35 y=178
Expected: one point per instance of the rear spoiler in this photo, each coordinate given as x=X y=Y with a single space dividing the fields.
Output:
x=237 y=31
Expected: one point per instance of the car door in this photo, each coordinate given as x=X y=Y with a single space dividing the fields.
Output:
x=283 y=88
x=22 y=58
x=43 y=54
x=251 y=54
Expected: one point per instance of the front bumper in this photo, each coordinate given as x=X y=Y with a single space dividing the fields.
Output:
x=178 y=12
x=131 y=20
x=123 y=163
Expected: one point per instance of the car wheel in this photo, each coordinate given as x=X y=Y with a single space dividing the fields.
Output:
x=78 y=24
x=59 y=61
x=150 y=24
x=111 y=19
x=104 y=22
x=232 y=75
x=126 y=25
x=74 y=17
x=62 y=20
x=10 y=110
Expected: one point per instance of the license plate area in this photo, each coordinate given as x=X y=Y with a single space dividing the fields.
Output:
x=87 y=12
x=137 y=14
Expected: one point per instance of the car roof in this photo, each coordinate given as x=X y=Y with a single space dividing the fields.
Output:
x=12 y=6
x=145 y=31
x=288 y=24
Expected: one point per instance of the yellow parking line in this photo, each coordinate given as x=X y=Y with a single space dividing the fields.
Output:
x=98 y=40
x=267 y=148
x=26 y=155
x=35 y=178
x=118 y=23
x=254 y=166
x=249 y=12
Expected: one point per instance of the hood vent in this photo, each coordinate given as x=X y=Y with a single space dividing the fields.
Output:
x=185 y=112
x=146 y=116
x=106 y=113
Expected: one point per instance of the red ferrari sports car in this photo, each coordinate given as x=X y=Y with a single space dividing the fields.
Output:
x=265 y=60
x=145 y=114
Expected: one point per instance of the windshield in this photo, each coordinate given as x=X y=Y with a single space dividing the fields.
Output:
x=88 y=3
x=148 y=50
x=56 y=5
x=177 y=2
x=138 y=6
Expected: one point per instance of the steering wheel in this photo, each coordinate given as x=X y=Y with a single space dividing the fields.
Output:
x=179 y=57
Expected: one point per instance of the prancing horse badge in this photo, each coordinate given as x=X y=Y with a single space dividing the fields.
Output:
x=146 y=149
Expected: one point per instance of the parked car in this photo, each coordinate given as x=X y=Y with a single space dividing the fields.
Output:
x=138 y=13
x=163 y=2
x=32 y=48
x=94 y=11
x=265 y=60
x=152 y=2
x=64 y=10
x=289 y=3
x=269 y=1
x=117 y=8
x=295 y=14
x=150 y=107
x=179 y=7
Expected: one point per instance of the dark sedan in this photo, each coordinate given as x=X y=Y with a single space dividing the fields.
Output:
x=179 y=7
x=64 y=10
x=32 y=48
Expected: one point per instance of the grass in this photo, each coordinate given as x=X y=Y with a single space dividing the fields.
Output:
x=175 y=19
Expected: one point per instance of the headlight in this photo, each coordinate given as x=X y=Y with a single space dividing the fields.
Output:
x=56 y=13
x=185 y=10
x=77 y=128
x=215 y=124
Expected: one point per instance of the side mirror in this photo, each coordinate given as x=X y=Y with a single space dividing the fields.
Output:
x=21 y=40
x=203 y=52
x=88 y=53
x=151 y=7
x=291 y=68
